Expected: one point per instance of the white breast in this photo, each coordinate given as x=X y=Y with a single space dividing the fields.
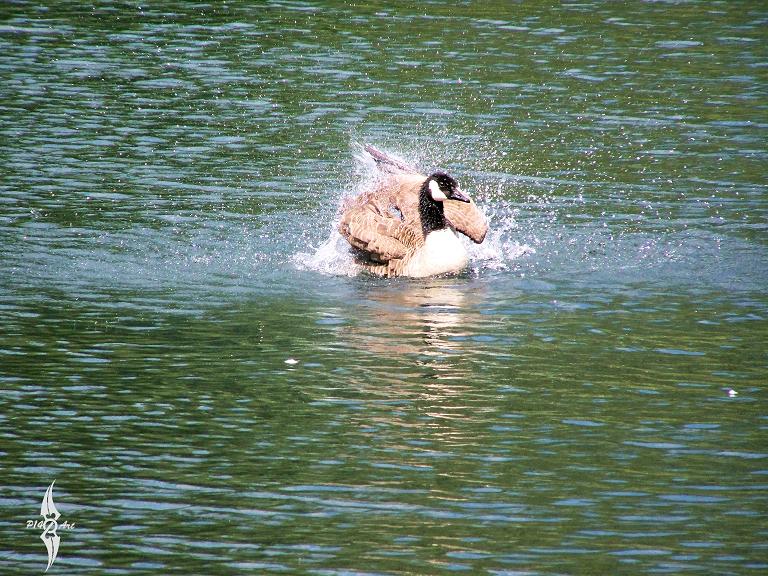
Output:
x=442 y=253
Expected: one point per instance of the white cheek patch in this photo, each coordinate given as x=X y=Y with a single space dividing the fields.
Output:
x=437 y=194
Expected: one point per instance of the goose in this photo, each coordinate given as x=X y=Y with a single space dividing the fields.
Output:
x=406 y=225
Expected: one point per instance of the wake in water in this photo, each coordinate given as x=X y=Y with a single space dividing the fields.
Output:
x=497 y=252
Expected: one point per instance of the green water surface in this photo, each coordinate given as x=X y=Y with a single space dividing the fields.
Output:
x=185 y=350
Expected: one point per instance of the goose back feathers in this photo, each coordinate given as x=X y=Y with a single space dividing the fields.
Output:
x=404 y=225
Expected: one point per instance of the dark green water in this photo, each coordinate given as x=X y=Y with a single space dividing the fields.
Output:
x=169 y=180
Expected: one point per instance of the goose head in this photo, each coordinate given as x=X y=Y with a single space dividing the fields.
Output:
x=436 y=189
x=442 y=186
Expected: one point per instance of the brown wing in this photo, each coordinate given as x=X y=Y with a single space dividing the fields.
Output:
x=467 y=219
x=381 y=236
x=402 y=192
x=387 y=163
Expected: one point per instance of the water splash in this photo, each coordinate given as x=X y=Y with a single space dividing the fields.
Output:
x=500 y=249
x=331 y=257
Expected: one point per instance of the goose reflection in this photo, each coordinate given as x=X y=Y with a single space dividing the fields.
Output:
x=428 y=322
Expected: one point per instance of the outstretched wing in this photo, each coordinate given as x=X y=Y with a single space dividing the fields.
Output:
x=467 y=219
x=388 y=163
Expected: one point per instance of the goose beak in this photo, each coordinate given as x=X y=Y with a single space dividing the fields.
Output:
x=457 y=194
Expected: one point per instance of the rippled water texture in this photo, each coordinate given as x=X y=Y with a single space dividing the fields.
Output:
x=186 y=349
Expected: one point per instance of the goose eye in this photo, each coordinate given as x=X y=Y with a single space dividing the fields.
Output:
x=437 y=194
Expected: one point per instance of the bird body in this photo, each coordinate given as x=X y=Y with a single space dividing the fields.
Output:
x=405 y=225
x=442 y=252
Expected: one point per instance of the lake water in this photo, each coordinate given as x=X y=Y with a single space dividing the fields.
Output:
x=187 y=351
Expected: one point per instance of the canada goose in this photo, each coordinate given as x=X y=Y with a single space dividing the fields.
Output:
x=405 y=225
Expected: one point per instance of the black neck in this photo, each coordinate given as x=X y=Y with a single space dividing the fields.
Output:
x=431 y=212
